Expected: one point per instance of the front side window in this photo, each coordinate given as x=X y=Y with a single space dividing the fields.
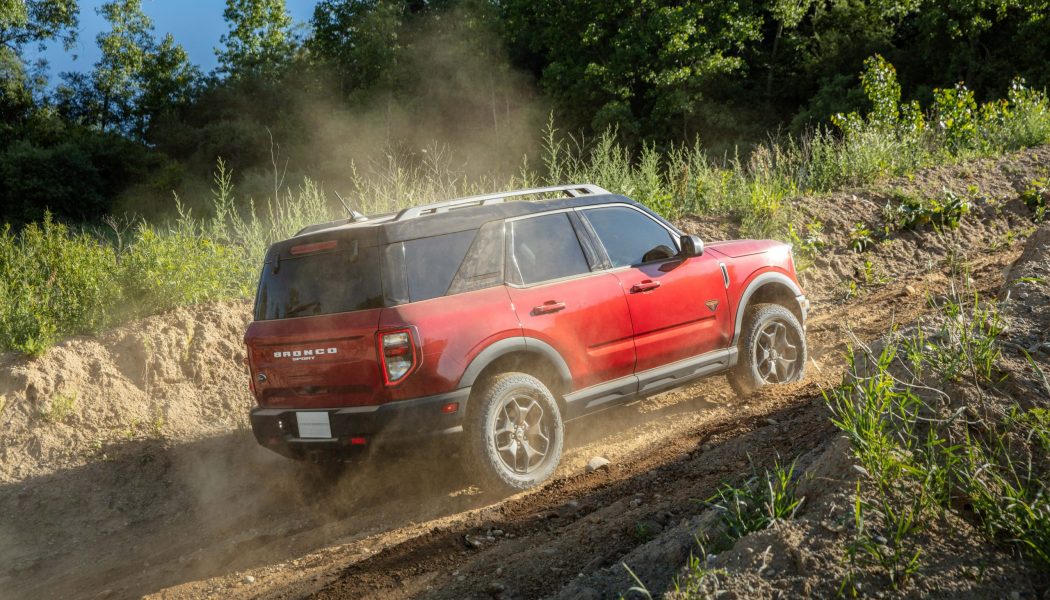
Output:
x=545 y=248
x=630 y=237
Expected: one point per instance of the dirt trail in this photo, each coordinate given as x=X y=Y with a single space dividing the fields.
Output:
x=107 y=503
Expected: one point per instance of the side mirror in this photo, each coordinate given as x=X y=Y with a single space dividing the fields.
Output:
x=691 y=246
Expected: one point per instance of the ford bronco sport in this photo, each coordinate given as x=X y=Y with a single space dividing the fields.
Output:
x=499 y=321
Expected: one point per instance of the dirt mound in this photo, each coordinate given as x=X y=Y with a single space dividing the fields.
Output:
x=178 y=375
x=996 y=219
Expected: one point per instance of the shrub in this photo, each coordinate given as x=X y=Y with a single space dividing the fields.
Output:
x=760 y=501
x=1036 y=197
x=161 y=270
x=945 y=212
x=956 y=114
x=53 y=283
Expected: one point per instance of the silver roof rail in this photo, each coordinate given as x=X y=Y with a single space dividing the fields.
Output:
x=572 y=191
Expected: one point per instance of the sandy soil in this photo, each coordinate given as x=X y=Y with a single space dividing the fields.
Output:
x=149 y=482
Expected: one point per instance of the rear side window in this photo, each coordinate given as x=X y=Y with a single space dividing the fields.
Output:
x=545 y=248
x=630 y=237
x=342 y=280
x=431 y=263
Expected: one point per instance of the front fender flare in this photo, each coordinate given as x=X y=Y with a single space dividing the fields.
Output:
x=756 y=284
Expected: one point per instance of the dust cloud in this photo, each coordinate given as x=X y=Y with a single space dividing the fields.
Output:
x=461 y=119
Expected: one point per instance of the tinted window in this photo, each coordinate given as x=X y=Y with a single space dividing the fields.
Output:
x=431 y=263
x=483 y=265
x=630 y=237
x=319 y=284
x=546 y=247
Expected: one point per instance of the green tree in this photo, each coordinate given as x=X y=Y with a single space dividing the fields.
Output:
x=168 y=81
x=135 y=79
x=260 y=40
x=117 y=76
x=37 y=21
x=25 y=22
x=982 y=42
x=358 y=40
x=639 y=65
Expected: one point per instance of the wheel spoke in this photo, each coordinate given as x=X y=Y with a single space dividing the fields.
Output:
x=505 y=427
x=771 y=369
x=533 y=409
x=529 y=453
x=538 y=449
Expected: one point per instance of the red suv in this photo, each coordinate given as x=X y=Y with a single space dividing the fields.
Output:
x=499 y=321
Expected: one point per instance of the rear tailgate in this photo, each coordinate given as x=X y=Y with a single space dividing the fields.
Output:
x=326 y=361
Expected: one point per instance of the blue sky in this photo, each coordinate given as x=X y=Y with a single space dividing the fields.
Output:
x=196 y=24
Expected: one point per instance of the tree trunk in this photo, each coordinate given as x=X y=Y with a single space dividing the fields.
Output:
x=773 y=59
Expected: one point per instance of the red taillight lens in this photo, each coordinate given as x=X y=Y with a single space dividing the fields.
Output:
x=397 y=353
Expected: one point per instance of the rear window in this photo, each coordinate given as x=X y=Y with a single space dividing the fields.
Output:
x=322 y=283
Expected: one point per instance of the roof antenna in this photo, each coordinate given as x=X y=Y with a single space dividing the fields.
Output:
x=355 y=216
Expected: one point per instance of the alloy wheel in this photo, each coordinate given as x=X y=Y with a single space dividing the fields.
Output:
x=522 y=433
x=777 y=353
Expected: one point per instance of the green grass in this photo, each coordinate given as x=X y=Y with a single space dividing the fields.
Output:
x=758 y=502
x=1036 y=197
x=60 y=407
x=923 y=453
x=57 y=281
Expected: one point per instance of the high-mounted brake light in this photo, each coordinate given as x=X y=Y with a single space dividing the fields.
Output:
x=315 y=247
x=397 y=353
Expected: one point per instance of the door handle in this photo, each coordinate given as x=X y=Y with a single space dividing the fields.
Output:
x=646 y=285
x=548 y=307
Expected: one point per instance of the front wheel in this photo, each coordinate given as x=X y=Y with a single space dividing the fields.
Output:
x=515 y=432
x=772 y=350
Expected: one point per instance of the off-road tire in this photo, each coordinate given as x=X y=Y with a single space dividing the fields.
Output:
x=484 y=417
x=746 y=377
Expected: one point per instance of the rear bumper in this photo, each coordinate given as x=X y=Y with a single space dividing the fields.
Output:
x=357 y=428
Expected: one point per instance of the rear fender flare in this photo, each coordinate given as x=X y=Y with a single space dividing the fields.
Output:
x=513 y=345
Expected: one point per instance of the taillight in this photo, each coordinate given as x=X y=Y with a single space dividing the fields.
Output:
x=397 y=352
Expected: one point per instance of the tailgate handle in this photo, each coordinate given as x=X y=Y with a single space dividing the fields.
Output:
x=646 y=285
x=548 y=307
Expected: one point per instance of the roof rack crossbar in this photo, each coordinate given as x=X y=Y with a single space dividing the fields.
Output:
x=572 y=191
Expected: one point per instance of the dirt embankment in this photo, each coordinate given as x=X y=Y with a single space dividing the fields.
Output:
x=174 y=376
x=127 y=466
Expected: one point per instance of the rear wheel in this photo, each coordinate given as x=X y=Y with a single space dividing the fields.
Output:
x=515 y=434
x=772 y=350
